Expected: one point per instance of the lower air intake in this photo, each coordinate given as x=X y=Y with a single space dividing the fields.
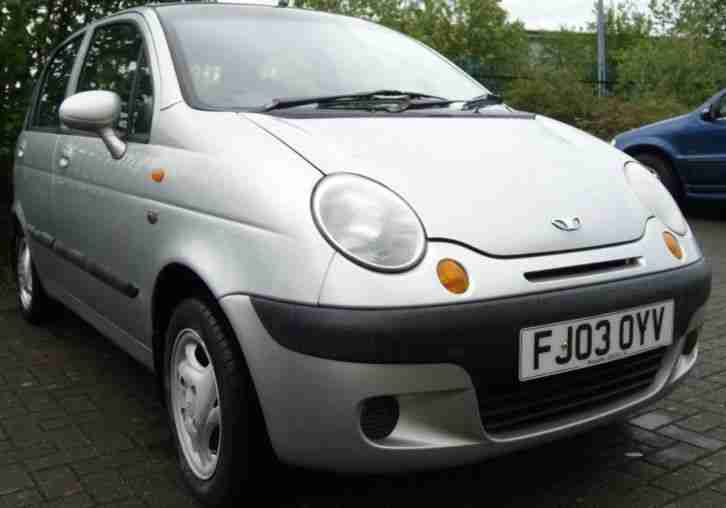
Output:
x=516 y=408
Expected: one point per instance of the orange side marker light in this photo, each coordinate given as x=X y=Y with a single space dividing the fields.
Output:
x=158 y=175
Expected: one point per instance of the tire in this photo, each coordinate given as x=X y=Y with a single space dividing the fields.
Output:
x=665 y=172
x=34 y=303
x=216 y=464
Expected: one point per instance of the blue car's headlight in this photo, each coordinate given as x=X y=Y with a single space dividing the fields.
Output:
x=655 y=197
x=368 y=223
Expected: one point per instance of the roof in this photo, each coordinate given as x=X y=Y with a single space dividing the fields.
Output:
x=264 y=3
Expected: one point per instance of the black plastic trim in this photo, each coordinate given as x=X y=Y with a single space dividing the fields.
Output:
x=42 y=238
x=475 y=335
x=79 y=260
x=582 y=270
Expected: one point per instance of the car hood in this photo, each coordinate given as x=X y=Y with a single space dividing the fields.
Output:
x=661 y=127
x=495 y=183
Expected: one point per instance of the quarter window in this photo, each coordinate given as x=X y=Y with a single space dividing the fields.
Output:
x=143 y=103
x=53 y=90
x=117 y=62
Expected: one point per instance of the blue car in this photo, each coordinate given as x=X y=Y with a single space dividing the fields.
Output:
x=688 y=152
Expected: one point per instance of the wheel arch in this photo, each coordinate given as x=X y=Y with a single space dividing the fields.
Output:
x=175 y=282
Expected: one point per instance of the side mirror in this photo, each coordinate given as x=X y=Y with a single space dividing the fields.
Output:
x=713 y=111
x=95 y=112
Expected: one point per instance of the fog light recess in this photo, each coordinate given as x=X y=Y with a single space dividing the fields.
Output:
x=691 y=342
x=379 y=416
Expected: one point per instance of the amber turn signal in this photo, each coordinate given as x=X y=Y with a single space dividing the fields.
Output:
x=158 y=175
x=453 y=276
x=673 y=246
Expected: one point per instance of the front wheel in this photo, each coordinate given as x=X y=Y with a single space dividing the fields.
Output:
x=208 y=397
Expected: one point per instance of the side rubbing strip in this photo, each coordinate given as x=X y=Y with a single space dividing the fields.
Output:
x=42 y=238
x=95 y=270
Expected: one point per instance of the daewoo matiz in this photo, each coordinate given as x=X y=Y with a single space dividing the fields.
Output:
x=317 y=230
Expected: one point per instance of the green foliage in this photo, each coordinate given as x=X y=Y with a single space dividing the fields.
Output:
x=688 y=69
x=695 y=18
x=663 y=65
x=559 y=94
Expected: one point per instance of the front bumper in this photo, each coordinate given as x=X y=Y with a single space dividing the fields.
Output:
x=314 y=367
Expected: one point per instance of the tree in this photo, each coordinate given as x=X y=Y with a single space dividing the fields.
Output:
x=682 y=59
x=688 y=69
x=695 y=18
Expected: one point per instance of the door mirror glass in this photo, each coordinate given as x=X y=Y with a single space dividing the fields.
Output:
x=96 y=112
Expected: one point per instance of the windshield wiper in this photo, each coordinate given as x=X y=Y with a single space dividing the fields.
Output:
x=488 y=99
x=356 y=99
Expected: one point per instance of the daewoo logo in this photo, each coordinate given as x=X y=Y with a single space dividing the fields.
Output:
x=572 y=224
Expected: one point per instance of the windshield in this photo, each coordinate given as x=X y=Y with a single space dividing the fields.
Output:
x=244 y=57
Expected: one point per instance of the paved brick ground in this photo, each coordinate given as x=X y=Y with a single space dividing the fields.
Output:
x=81 y=425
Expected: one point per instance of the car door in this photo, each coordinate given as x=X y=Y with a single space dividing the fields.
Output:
x=104 y=235
x=704 y=146
x=35 y=150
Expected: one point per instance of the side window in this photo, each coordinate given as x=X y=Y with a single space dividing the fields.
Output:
x=116 y=62
x=53 y=90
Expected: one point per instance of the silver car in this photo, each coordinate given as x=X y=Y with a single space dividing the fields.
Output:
x=321 y=233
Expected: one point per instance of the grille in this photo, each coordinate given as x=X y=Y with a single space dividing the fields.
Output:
x=582 y=270
x=516 y=407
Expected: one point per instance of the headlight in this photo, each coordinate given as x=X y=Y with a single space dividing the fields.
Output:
x=655 y=197
x=368 y=223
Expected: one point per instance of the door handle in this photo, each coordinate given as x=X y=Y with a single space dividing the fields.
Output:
x=65 y=157
x=21 y=149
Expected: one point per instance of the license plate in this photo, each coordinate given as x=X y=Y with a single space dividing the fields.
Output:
x=572 y=345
